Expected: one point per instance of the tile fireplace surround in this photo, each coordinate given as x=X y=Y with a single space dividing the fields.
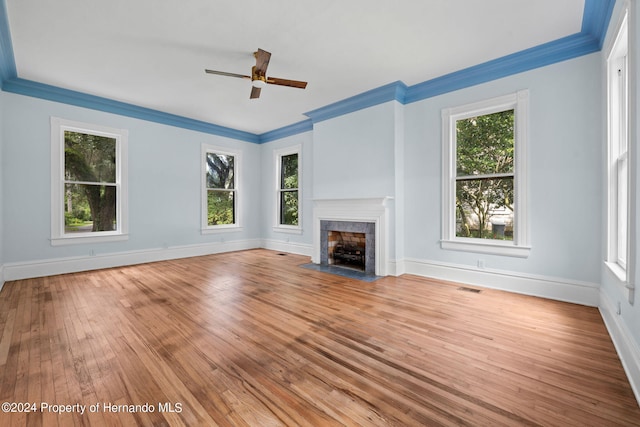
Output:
x=341 y=211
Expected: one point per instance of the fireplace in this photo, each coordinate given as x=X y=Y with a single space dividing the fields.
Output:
x=368 y=217
x=348 y=244
x=347 y=249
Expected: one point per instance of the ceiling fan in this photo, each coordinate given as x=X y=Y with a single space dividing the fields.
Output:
x=259 y=77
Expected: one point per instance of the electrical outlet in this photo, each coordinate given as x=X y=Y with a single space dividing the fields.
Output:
x=480 y=263
x=619 y=309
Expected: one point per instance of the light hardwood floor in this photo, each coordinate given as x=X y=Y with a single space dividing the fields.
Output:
x=251 y=338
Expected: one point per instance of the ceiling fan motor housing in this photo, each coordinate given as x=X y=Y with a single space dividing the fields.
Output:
x=257 y=80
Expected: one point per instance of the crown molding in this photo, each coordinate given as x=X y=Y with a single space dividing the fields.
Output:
x=549 y=53
x=79 y=99
x=597 y=14
x=7 y=59
x=390 y=92
x=595 y=21
x=596 y=18
x=290 y=130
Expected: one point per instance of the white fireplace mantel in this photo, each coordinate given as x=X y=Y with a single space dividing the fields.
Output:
x=373 y=210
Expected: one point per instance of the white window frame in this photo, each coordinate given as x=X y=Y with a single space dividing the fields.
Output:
x=237 y=185
x=278 y=155
x=58 y=235
x=619 y=199
x=519 y=246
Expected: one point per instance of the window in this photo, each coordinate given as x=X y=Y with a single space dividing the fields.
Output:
x=484 y=182
x=88 y=185
x=288 y=194
x=618 y=157
x=220 y=189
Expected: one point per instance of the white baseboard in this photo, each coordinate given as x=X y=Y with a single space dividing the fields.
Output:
x=41 y=268
x=627 y=348
x=573 y=291
x=396 y=267
x=293 y=248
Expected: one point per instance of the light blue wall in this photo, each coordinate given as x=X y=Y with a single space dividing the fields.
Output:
x=366 y=154
x=615 y=291
x=564 y=172
x=353 y=155
x=164 y=183
x=269 y=195
x=358 y=155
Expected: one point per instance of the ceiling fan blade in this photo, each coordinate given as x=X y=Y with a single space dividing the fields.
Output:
x=262 y=62
x=224 y=73
x=255 y=92
x=286 y=82
x=258 y=75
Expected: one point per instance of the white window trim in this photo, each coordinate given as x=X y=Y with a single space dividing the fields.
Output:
x=617 y=48
x=237 y=185
x=58 y=236
x=519 y=246
x=277 y=155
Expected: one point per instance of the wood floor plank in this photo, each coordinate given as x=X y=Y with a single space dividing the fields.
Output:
x=252 y=339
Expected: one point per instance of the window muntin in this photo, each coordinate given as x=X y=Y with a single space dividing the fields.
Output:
x=484 y=176
x=89 y=191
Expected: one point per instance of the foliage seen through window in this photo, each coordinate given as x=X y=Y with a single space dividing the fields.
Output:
x=289 y=189
x=90 y=183
x=485 y=176
x=220 y=189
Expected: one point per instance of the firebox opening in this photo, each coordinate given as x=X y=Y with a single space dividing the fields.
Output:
x=347 y=249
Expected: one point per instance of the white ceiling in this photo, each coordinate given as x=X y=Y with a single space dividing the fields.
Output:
x=152 y=53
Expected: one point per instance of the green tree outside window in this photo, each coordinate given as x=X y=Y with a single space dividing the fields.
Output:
x=485 y=176
x=90 y=183
x=289 y=189
x=220 y=182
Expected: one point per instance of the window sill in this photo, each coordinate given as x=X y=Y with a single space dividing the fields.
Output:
x=489 y=247
x=619 y=272
x=87 y=238
x=221 y=229
x=287 y=229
